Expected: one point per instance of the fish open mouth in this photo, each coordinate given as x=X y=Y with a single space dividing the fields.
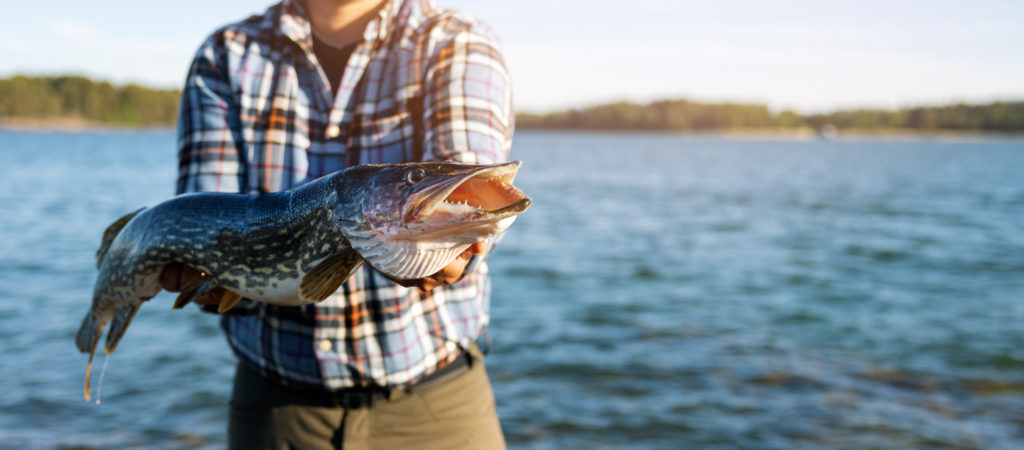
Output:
x=474 y=195
x=451 y=207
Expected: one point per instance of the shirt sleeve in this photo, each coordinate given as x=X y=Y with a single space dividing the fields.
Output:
x=468 y=114
x=209 y=159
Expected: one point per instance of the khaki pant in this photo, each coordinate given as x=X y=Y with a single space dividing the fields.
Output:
x=457 y=414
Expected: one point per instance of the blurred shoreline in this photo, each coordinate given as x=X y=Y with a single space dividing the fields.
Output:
x=79 y=125
x=68 y=125
x=78 y=103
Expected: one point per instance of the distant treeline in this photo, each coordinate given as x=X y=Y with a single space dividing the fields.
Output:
x=80 y=98
x=683 y=115
x=75 y=97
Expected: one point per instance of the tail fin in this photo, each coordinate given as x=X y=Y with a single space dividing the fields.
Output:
x=122 y=318
x=88 y=337
x=92 y=327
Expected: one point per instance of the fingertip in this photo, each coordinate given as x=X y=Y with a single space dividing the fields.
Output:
x=478 y=247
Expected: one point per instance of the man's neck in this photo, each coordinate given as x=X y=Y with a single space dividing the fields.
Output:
x=341 y=22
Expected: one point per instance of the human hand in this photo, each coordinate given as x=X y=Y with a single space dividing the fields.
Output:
x=176 y=276
x=450 y=273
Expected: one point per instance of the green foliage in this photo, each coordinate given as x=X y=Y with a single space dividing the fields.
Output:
x=683 y=115
x=999 y=116
x=100 y=102
x=661 y=115
x=93 y=101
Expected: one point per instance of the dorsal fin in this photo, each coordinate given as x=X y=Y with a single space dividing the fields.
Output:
x=328 y=276
x=111 y=233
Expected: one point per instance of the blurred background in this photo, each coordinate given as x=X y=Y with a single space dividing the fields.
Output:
x=757 y=224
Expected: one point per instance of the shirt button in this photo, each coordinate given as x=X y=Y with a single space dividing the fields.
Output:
x=334 y=131
x=325 y=345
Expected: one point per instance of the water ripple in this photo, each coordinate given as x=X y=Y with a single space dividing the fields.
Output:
x=697 y=292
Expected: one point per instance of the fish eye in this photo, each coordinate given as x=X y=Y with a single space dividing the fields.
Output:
x=415 y=175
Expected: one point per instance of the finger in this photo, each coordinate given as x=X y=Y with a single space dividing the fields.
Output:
x=170 y=277
x=188 y=274
x=451 y=273
x=477 y=248
x=176 y=275
x=427 y=285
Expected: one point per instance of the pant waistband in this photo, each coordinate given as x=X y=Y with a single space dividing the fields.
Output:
x=357 y=397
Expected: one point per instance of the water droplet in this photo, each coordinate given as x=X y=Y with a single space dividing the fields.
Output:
x=99 y=385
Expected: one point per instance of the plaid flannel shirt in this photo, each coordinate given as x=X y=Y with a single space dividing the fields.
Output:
x=257 y=115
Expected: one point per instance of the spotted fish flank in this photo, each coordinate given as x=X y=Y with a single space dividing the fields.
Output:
x=290 y=248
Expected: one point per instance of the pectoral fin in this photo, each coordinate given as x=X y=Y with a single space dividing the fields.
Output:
x=328 y=276
x=205 y=291
x=228 y=301
x=196 y=288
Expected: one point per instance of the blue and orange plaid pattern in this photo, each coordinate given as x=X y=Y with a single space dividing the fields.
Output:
x=258 y=115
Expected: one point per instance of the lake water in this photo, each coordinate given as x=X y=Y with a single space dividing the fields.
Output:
x=664 y=291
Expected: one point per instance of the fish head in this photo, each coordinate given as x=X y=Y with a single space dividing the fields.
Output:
x=416 y=218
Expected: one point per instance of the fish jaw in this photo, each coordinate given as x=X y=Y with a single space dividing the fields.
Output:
x=422 y=216
x=483 y=188
x=478 y=203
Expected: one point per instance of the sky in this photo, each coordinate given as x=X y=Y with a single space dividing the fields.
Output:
x=806 y=55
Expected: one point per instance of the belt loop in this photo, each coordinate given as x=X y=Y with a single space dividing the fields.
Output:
x=467 y=352
x=487 y=342
x=474 y=352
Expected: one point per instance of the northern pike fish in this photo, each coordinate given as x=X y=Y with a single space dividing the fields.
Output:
x=294 y=247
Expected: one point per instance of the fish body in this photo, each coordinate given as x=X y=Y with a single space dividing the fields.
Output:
x=298 y=246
